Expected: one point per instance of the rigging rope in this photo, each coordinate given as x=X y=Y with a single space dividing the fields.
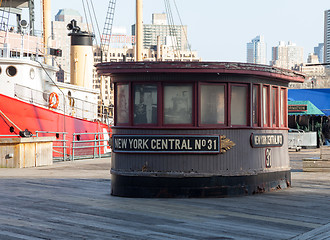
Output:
x=85 y=15
x=90 y=16
x=97 y=24
x=183 y=29
x=173 y=32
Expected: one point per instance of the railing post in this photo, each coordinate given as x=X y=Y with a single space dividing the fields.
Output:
x=73 y=135
x=64 y=147
x=99 y=144
x=95 y=145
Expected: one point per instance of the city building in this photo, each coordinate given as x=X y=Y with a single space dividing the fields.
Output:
x=311 y=69
x=319 y=51
x=287 y=55
x=160 y=30
x=315 y=74
x=327 y=36
x=60 y=33
x=256 y=50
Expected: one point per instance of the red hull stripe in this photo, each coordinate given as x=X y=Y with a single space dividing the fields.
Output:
x=35 y=118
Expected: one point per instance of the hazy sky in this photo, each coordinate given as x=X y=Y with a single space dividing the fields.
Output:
x=219 y=30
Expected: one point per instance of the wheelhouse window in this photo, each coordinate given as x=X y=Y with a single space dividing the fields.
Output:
x=274 y=106
x=212 y=104
x=122 y=113
x=255 y=105
x=238 y=105
x=178 y=104
x=145 y=104
x=219 y=104
x=283 y=107
x=265 y=105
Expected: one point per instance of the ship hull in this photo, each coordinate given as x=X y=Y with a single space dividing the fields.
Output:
x=21 y=115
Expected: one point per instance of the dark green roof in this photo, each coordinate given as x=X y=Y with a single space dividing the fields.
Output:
x=311 y=108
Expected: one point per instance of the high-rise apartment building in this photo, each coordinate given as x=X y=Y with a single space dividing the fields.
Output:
x=319 y=51
x=159 y=30
x=287 y=55
x=327 y=36
x=60 y=33
x=256 y=51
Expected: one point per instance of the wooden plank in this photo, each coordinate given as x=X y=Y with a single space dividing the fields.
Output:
x=317 y=169
x=325 y=156
x=77 y=208
x=325 y=152
x=316 y=164
x=317 y=234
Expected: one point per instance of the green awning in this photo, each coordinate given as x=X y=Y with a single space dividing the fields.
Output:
x=303 y=108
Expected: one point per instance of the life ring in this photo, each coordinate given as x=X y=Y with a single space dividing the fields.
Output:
x=53 y=100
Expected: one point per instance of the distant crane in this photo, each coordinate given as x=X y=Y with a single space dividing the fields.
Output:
x=104 y=46
x=107 y=30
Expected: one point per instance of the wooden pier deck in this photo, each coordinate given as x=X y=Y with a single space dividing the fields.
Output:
x=73 y=201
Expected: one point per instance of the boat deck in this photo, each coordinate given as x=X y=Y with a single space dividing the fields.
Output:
x=72 y=200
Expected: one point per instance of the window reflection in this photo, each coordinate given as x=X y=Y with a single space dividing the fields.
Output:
x=282 y=106
x=265 y=105
x=145 y=104
x=122 y=103
x=238 y=105
x=255 y=105
x=274 y=104
x=212 y=104
x=178 y=104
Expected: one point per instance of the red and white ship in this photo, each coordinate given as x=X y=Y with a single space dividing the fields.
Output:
x=30 y=97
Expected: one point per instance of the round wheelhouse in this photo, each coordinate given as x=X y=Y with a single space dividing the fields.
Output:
x=199 y=129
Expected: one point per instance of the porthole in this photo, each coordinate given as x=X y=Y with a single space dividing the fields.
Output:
x=11 y=71
x=32 y=73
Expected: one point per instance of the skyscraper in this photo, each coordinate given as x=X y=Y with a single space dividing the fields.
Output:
x=327 y=36
x=256 y=50
x=160 y=29
x=319 y=51
x=287 y=55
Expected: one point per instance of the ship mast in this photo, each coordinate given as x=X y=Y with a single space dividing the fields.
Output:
x=139 y=31
x=46 y=25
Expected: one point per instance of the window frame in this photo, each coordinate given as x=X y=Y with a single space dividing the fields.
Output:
x=259 y=105
x=196 y=105
x=266 y=123
x=157 y=84
x=200 y=104
x=129 y=123
x=193 y=105
x=248 y=117
x=276 y=105
x=284 y=111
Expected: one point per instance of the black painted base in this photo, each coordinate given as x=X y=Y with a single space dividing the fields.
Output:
x=185 y=187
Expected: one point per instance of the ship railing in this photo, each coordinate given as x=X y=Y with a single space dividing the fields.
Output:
x=83 y=146
x=19 y=45
x=92 y=147
x=10 y=136
x=73 y=106
x=59 y=146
